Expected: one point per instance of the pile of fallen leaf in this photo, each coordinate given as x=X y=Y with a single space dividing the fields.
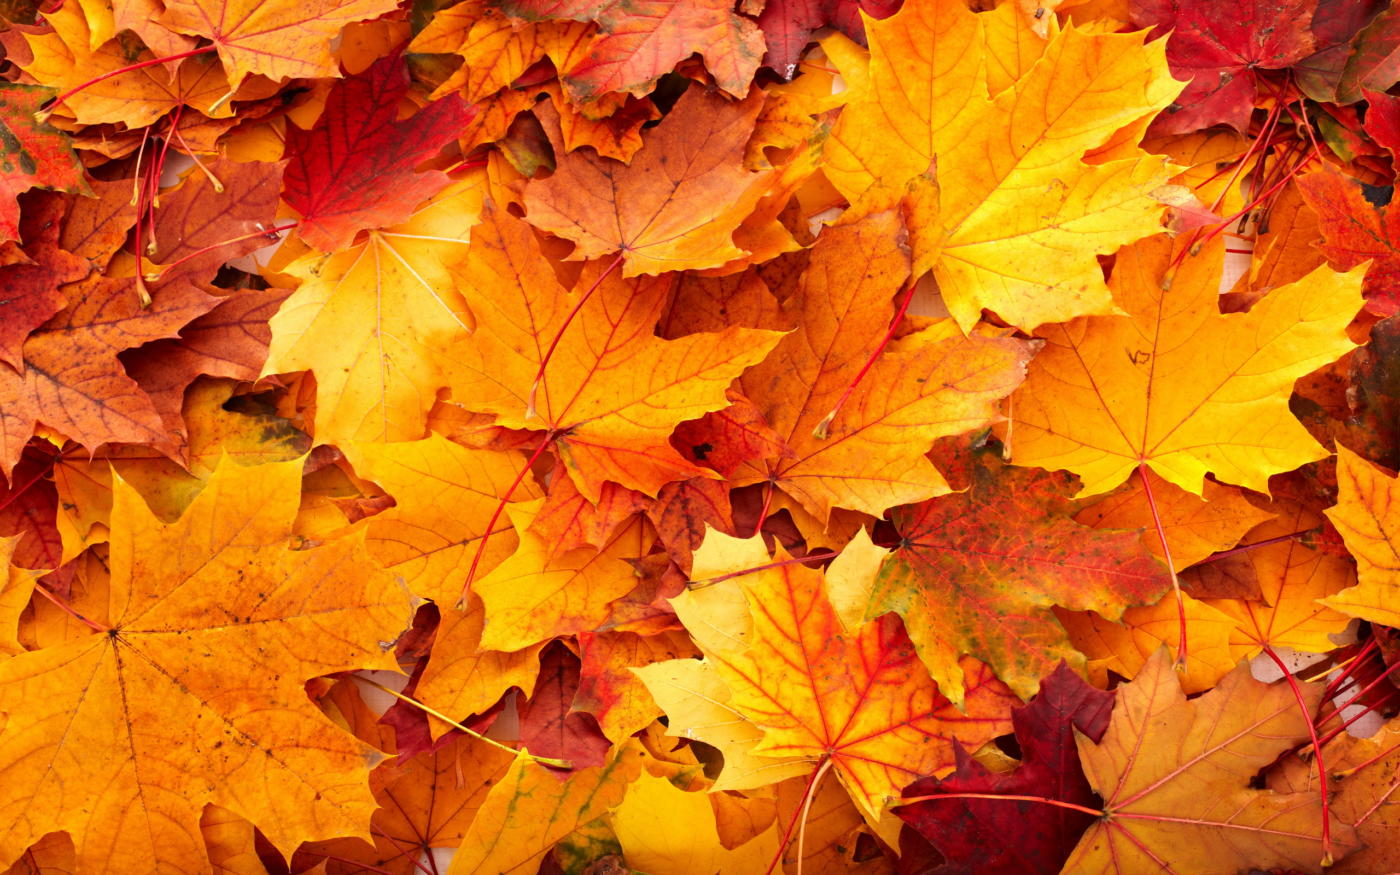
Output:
x=679 y=436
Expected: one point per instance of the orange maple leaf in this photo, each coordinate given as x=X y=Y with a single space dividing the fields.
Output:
x=616 y=392
x=190 y=691
x=277 y=40
x=1175 y=386
x=72 y=380
x=641 y=41
x=1030 y=177
x=1364 y=516
x=856 y=700
x=674 y=207
x=928 y=384
x=1175 y=777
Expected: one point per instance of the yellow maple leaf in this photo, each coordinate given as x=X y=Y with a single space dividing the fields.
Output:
x=694 y=850
x=1018 y=212
x=372 y=322
x=1365 y=515
x=1176 y=385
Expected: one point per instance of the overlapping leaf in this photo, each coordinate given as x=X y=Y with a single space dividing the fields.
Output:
x=1014 y=200
x=614 y=392
x=140 y=724
x=856 y=699
x=1096 y=400
x=1001 y=554
x=1175 y=778
x=338 y=178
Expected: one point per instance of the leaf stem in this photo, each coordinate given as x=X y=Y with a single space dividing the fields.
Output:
x=807 y=810
x=1245 y=548
x=1370 y=762
x=433 y=712
x=800 y=815
x=824 y=427
x=1349 y=702
x=1058 y=803
x=267 y=232
x=530 y=411
x=465 y=164
x=1346 y=667
x=711 y=581
x=119 y=71
x=1317 y=753
x=767 y=503
x=549 y=438
x=67 y=608
x=1181 y=647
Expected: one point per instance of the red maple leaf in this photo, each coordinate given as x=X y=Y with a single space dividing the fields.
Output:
x=996 y=835
x=355 y=168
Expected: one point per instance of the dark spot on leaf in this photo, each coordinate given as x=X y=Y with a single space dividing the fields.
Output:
x=1377 y=195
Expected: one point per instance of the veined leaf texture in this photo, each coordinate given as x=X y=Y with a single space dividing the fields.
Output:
x=694 y=436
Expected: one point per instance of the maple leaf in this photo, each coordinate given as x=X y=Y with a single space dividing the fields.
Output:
x=1358 y=227
x=1360 y=53
x=444 y=498
x=15 y=592
x=1175 y=776
x=371 y=322
x=1294 y=580
x=613 y=408
x=931 y=383
x=696 y=850
x=32 y=294
x=62 y=58
x=531 y=808
x=142 y=715
x=196 y=220
x=354 y=169
x=72 y=380
x=1366 y=523
x=535 y=595
x=567 y=520
x=990 y=242
x=1365 y=797
x=612 y=693
x=1124 y=647
x=788 y=25
x=229 y=341
x=277 y=40
x=462 y=678
x=29 y=508
x=1222 y=54
x=675 y=206
x=32 y=154
x=725 y=275
x=728 y=438
x=987 y=835
x=1175 y=386
x=1000 y=554
x=1194 y=526
x=854 y=700
x=548 y=724
x=641 y=40
x=425 y=801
